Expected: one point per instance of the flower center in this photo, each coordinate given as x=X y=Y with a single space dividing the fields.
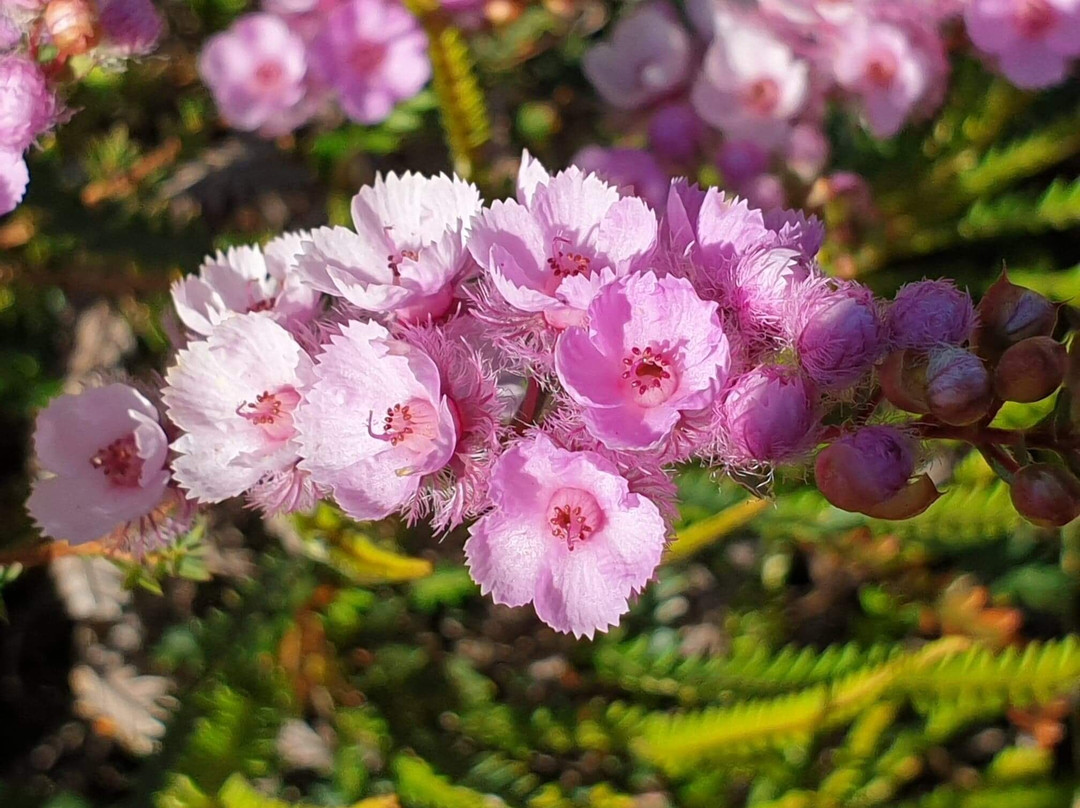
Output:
x=651 y=376
x=410 y=423
x=261 y=305
x=366 y=57
x=1035 y=17
x=573 y=515
x=566 y=264
x=762 y=96
x=272 y=412
x=268 y=74
x=120 y=462
x=395 y=260
x=881 y=70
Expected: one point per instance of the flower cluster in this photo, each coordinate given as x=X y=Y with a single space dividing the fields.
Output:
x=272 y=70
x=536 y=368
x=762 y=75
x=37 y=39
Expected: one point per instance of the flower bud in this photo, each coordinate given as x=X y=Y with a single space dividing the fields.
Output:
x=72 y=25
x=1031 y=370
x=676 y=133
x=929 y=313
x=1046 y=495
x=866 y=468
x=912 y=499
x=839 y=335
x=903 y=380
x=1009 y=314
x=769 y=415
x=958 y=387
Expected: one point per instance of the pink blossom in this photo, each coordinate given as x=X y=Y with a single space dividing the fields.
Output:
x=752 y=85
x=256 y=71
x=1032 y=41
x=27 y=106
x=407 y=256
x=551 y=255
x=634 y=172
x=865 y=468
x=106 y=454
x=878 y=64
x=652 y=350
x=647 y=56
x=14 y=178
x=375 y=421
x=929 y=313
x=10 y=35
x=373 y=54
x=768 y=415
x=130 y=27
x=247 y=279
x=566 y=534
x=234 y=396
x=838 y=334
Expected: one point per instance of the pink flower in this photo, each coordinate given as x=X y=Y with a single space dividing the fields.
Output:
x=567 y=534
x=1032 y=41
x=256 y=71
x=458 y=491
x=865 y=468
x=838 y=334
x=633 y=171
x=106 y=453
x=551 y=255
x=752 y=85
x=130 y=27
x=27 y=106
x=929 y=313
x=769 y=415
x=879 y=65
x=247 y=279
x=407 y=256
x=647 y=56
x=14 y=178
x=234 y=396
x=10 y=34
x=652 y=350
x=373 y=54
x=375 y=421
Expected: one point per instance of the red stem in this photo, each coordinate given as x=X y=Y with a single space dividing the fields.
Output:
x=526 y=413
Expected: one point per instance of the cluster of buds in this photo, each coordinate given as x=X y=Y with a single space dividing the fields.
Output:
x=537 y=368
x=750 y=85
x=41 y=43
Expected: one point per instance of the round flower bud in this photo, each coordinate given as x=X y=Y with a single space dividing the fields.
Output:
x=769 y=415
x=1009 y=314
x=929 y=313
x=958 y=387
x=676 y=133
x=71 y=25
x=903 y=380
x=866 y=468
x=27 y=106
x=1031 y=370
x=838 y=335
x=1046 y=495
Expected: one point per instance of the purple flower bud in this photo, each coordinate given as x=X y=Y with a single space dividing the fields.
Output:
x=676 y=132
x=130 y=27
x=866 y=468
x=769 y=415
x=741 y=160
x=9 y=33
x=27 y=106
x=958 y=387
x=1031 y=370
x=929 y=313
x=839 y=335
x=1046 y=495
x=1009 y=314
